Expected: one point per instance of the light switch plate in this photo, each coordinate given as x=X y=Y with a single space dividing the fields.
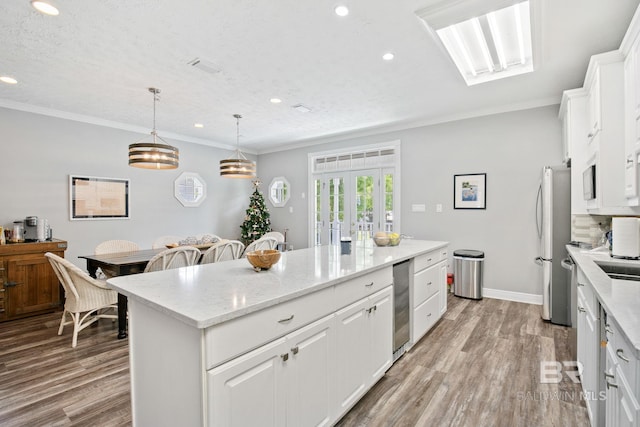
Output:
x=418 y=208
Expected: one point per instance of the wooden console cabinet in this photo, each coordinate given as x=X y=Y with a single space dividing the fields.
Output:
x=28 y=284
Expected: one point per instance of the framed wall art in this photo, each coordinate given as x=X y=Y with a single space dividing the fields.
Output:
x=93 y=197
x=470 y=191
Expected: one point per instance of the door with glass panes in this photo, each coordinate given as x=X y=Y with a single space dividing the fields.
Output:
x=352 y=204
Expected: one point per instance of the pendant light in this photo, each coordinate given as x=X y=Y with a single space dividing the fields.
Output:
x=238 y=166
x=153 y=155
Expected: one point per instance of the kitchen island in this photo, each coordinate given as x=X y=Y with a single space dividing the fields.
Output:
x=299 y=344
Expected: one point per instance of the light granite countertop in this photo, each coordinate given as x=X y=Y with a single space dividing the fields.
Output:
x=620 y=298
x=206 y=295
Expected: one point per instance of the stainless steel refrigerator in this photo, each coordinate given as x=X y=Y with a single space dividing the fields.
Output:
x=553 y=221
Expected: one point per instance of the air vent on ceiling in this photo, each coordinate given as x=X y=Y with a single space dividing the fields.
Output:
x=301 y=108
x=204 y=65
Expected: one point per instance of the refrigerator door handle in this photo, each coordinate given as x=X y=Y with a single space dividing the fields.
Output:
x=539 y=212
x=567 y=264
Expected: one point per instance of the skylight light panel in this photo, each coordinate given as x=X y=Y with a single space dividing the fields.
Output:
x=493 y=45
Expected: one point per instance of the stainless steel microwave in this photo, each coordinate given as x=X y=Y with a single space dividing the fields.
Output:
x=589 y=182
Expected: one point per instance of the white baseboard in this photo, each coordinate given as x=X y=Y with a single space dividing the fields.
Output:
x=512 y=296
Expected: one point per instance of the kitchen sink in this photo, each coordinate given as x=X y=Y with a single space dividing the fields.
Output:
x=620 y=270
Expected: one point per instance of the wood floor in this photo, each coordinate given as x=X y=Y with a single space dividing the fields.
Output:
x=479 y=366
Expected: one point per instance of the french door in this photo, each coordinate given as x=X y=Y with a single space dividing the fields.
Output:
x=352 y=204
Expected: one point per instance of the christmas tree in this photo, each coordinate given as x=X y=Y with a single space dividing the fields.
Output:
x=256 y=222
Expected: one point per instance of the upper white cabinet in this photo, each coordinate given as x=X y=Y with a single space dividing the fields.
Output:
x=573 y=114
x=605 y=132
x=630 y=47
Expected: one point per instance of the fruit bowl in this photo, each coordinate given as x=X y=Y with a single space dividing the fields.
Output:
x=263 y=259
x=394 y=239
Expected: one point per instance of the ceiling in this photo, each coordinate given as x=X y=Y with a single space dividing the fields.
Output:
x=95 y=61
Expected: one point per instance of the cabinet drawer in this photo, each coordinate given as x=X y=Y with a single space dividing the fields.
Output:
x=424 y=316
x=229 y=339
x=585 y=290
x=363 y=286
x=425 y=284
x=624 y=355
x=426 y=260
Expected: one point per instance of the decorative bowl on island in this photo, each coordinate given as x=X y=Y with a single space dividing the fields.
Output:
x=386 y=239
x=263 y=259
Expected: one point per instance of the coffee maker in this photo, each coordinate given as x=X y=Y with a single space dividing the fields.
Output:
x=31 y=229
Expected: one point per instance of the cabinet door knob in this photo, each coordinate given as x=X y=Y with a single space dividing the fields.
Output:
x=429 y=284
x=295 y=350
x=620 y=354
x=369 y=285
x=580 y=309
x=11 y=284
x=286 y=320
x=285 y=357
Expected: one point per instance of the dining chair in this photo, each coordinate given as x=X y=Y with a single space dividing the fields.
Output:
x=275 y=234
x=226 y=250
x=181 y=256
x=86 y=299
x=163 y=241
x=261 y=243
x=113 y=246
x=110 y=247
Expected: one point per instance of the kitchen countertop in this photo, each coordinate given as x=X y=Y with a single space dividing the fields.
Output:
x=620 y=298
x=206 y=295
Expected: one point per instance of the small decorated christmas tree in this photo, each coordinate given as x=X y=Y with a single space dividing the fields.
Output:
x=256 y=222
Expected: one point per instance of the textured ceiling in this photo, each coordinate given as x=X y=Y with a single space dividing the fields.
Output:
x=97 y=59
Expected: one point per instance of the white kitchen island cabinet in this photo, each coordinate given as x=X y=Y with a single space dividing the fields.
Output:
x=299 y=344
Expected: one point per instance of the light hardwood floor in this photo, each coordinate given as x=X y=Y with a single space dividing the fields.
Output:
x=479 y=366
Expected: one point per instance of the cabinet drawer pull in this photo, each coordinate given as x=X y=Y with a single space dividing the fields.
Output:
x=629 y=161
x=429 y=283
x=609 y=385
x=286 y=320
x=428 y=259
x=606 y=375
x=590 y=135
x=608 y=330
x=580 y=284
x=285 y=357
x=369 y=285
x=429 y=315
x=295 y=350
x=581 y=309
x=620 y=354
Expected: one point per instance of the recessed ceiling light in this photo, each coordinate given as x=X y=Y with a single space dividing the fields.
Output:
x=275 y=100
x=388 y=56
x=9 y=80
x=341 y=10
x=198 y=125
x=45 y=7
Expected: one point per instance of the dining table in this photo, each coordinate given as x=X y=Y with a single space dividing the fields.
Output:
x=120 y=264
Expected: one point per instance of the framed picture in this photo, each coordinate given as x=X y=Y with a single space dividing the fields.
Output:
x=93 y=197
x=470 y=191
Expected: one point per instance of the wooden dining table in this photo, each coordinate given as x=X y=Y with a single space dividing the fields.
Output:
x=120 y=264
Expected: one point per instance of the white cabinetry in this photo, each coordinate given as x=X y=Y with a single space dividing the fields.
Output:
x=631 y=49
x=621 y=379
x=588 y=343
x=428 y=294
x=605 y=131
x=573 y=113
x=364 y=337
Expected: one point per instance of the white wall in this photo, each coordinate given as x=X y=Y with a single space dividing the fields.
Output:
x=39 y=153
x=510 y=148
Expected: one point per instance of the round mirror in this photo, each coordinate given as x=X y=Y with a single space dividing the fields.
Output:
x=190 y=189
x=279 y=190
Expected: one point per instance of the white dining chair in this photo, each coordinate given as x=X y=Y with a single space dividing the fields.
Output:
x=261 y=243
x=226 y=250
x=182 y=256
x=110 y=247
x=86 y=299
x=275 y=234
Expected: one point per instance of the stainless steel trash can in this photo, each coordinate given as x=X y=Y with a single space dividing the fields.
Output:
x=468 y=273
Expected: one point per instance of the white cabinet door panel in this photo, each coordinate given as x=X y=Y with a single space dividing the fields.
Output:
x=380 y=312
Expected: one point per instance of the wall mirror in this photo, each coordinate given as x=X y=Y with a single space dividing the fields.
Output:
x=279 y=191
x=190 y=189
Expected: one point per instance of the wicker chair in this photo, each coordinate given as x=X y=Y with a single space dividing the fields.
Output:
x=84 y=296
x=261 y=243
x=275 y=234
x=110 y=247
x=223 y=251
x=181 y=256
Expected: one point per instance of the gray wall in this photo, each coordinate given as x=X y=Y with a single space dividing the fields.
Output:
x=510 y=148
x=40 y=152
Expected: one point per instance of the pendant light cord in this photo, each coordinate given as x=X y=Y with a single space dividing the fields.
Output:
x=155 y=93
